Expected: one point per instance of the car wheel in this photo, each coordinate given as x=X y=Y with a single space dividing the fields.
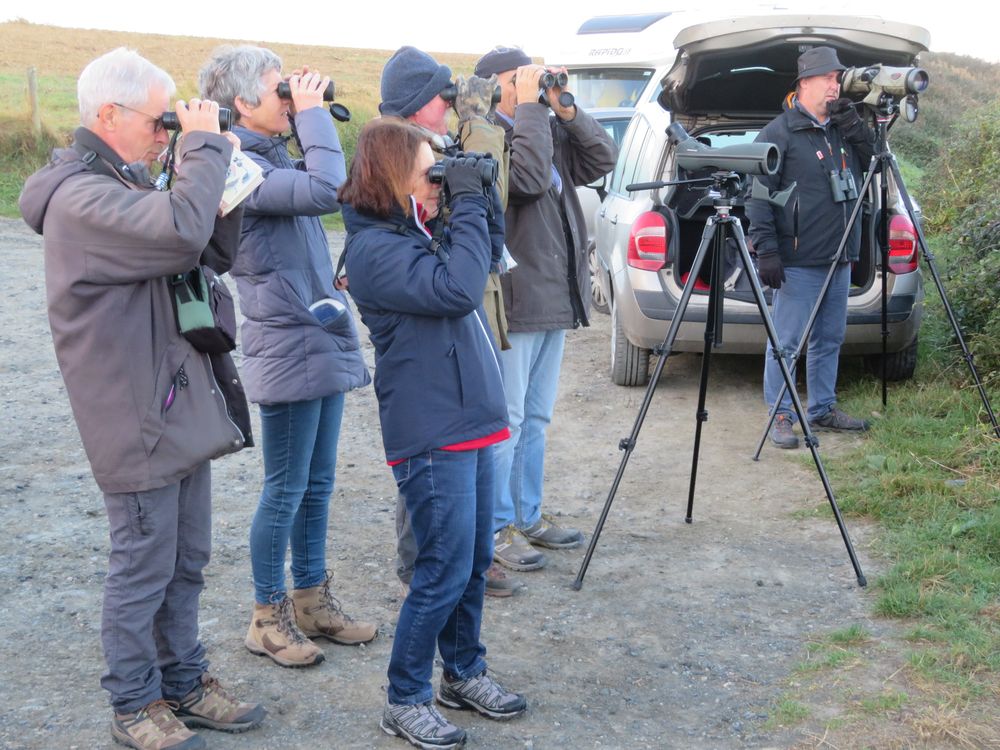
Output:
x=629 y=363
x=597 y=297
x=898 y=365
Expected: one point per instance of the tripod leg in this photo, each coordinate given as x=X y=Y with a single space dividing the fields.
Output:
x=713 y=333
x=929 y=257
x=628 y=444
x=810 y=439
x=803 y=340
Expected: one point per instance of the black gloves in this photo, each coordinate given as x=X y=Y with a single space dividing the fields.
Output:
x=770 y=270
x=462 y=177
x=846 y=118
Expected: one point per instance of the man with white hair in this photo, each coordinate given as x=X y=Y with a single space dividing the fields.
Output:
x=151 y=409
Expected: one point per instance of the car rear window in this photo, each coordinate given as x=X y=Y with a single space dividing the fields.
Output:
x=619 y=87
x=731 y=138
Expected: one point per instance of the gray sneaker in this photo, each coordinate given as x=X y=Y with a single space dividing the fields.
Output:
x=545 y=532
x=781 y=432
x=482 y=694
x=512 y=550
x=422 y=725
x=837 y=421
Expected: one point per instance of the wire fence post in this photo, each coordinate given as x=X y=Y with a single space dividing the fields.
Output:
x=36 y=114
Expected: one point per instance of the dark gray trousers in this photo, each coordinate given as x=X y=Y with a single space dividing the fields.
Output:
x=160 y=542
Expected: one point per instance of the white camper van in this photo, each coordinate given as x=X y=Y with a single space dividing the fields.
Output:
x=619 y=61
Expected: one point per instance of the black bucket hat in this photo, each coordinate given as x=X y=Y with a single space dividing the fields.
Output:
x=818 y=61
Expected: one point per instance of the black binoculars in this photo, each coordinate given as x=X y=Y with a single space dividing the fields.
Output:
x=170 y=121
x=285 y=91
x=486 y=165
x=450 y=93
x=338 y=111
x=548 y=80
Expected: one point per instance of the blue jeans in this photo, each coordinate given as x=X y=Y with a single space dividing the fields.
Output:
x=530 y=382
x=793 y=303
x=160 y=542
x=449 y=496
x=299 y=442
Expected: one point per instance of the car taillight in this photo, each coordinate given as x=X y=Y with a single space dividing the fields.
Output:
x=648 y=242
x=902 y=245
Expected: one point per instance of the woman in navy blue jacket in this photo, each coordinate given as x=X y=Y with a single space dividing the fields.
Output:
x=442 y=410
x=295 y=366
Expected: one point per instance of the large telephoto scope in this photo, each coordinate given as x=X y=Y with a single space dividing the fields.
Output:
x=745 y=158
x=877 y=82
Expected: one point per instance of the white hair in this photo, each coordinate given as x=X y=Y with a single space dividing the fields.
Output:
x=236 y=72
x=121 y=76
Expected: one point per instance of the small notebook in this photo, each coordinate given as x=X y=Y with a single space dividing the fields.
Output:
x=242 y=177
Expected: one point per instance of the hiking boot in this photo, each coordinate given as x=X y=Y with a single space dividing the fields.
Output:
x=836 y=421
x=482 y=694
x=512 y=550
x=209 y=705
x=274 y=633
x=154 y=727
x=422 y=725
x=781 y=432
x=497 y=582
x=319 y=615
x=545 y=532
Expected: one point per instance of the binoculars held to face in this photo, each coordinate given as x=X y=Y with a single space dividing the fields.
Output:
x=170 y=121
x=450 y=93
x=338 y=111
x=486 y=166
x=549 y=80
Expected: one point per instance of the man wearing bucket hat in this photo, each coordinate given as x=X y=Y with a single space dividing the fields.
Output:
x=825 y=148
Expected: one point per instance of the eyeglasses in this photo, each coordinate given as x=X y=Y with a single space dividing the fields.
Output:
x=157 y=121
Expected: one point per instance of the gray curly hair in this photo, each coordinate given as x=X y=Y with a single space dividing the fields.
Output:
x=236 y=72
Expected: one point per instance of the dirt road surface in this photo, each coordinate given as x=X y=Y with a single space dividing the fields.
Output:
x=681 y=637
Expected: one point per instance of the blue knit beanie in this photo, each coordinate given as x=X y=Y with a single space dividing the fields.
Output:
x=410 y=79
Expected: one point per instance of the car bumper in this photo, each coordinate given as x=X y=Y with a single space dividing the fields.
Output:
x=646 y=315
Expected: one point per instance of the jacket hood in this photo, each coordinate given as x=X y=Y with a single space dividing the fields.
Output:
x=39 y=188
x=88 y=153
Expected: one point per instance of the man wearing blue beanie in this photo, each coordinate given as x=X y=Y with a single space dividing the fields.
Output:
x=412 y=82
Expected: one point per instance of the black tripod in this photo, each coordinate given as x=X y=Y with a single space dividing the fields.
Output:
x=883 y=163
x=718 y=227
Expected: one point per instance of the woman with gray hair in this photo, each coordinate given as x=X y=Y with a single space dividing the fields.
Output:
x=300 y=346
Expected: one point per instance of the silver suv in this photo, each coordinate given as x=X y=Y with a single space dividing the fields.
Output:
x=728 y=81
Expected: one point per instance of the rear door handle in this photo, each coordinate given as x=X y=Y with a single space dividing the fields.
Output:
x=614 y=220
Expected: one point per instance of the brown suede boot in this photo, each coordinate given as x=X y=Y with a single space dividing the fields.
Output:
x=273 y=633
x=319 y=615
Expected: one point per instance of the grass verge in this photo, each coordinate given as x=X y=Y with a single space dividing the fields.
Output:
x=929 y=474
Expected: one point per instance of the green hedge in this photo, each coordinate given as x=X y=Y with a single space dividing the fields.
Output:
x=963 y=205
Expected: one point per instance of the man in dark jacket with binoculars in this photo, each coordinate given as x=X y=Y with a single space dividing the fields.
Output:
x=554 y=148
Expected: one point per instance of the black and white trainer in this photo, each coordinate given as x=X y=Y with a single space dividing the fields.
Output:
x=482 y=694
x=422 y=725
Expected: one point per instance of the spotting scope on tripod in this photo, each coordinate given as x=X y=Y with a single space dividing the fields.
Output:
x=724 y=188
